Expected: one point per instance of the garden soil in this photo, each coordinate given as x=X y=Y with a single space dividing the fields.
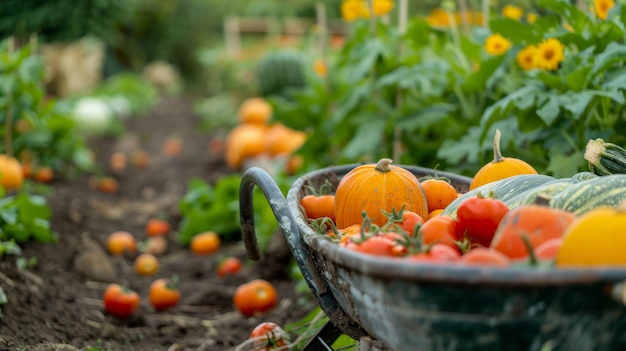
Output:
x=55 y=303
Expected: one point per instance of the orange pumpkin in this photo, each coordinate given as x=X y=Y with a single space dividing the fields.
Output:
x=243 y=141
x=539 y=223
x=281 y=139
x=255 y=111
x=500 y=167
x=374 y=188
x=11 y=173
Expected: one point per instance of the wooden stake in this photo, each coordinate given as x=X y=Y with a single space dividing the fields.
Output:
x=8 y=132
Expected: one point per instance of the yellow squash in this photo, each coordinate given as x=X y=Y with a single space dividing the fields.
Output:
x=596 y=238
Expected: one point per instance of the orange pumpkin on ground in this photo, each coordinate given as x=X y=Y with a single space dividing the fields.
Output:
x=501 y=167
x=11 y=173
x=254 y=111
x=245 y=140
x=281 y=139
x=374 y=188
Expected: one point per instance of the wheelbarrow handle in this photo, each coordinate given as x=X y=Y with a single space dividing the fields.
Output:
x=300 y=251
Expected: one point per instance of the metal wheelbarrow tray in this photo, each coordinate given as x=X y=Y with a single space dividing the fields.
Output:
x=429 y=307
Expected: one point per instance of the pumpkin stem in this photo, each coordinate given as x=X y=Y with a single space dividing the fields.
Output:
x=384 y=165
x=497 y=154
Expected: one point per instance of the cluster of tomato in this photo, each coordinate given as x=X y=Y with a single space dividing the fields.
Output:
x=163 y=293
x=484 y=232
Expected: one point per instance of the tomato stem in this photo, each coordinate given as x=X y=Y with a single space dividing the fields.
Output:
x=529 y=247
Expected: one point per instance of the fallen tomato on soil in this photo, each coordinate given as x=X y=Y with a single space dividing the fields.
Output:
x=163 y=293
x=268 y=336
x=229 y=266
x=205 y=243
x=256 y=296
x=119 y=301
x=120 y=242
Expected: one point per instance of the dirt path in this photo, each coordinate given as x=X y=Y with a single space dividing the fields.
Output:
x=53 y=306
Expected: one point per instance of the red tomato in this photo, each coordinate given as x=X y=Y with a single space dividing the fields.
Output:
x=377 y=245
x=479 y=217
x=437 y=253
x=163 y=294
x=482 y=256
x=318 y=206
x=157 y=226
x=231 y=265
x=410 y=222
x=120 y=301
x=548 y=250
x=440 y=230
x=268 y=336
x=256 y=296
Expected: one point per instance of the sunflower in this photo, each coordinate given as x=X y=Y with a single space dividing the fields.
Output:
x=603 y=7
x=527 y=58
x=382 y=7
x=512 y=12
x=496 y=44
x=550 y=54
x=531 y=17
x=353 y=9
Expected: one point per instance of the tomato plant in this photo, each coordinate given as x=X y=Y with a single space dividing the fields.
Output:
x=256 y=296
x=205 y=243
x=229 y=266
x=120 y=242
x=268 y=336
x=119 y=301
x=163 y=293
x=146 y=264
x=479 y=217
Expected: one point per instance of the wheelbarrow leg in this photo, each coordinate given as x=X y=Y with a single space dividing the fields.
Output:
x=324 y=339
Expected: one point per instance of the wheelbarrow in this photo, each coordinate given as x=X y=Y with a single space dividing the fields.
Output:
x=408 y=306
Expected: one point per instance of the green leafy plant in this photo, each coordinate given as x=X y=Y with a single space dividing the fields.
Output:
x=25 y=216
x=39 y=133
x=216 y=207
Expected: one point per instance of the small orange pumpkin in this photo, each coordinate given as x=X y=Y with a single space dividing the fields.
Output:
x=11 y=173
x=501 y=167
x=281 y=139
x=245 y=140
x=255 y=111
x=374 y=188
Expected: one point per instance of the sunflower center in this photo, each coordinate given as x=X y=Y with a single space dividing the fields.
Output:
x=548 y=54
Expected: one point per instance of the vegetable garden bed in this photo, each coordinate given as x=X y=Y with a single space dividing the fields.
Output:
x=53 y=306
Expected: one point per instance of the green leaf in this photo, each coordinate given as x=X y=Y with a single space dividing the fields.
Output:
x=577 y=80
x=576 y=103
x=477 y=81
x=367 y=139
x=503 y=107
x=613 y=55
x=515 y=31
x=549 y=112
x=9 y=215
x=572 y=14
x=17 y=231
x=40 y=229
x=426 y=117
x=562 y=166
x=31 y=69
x=32 y=207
